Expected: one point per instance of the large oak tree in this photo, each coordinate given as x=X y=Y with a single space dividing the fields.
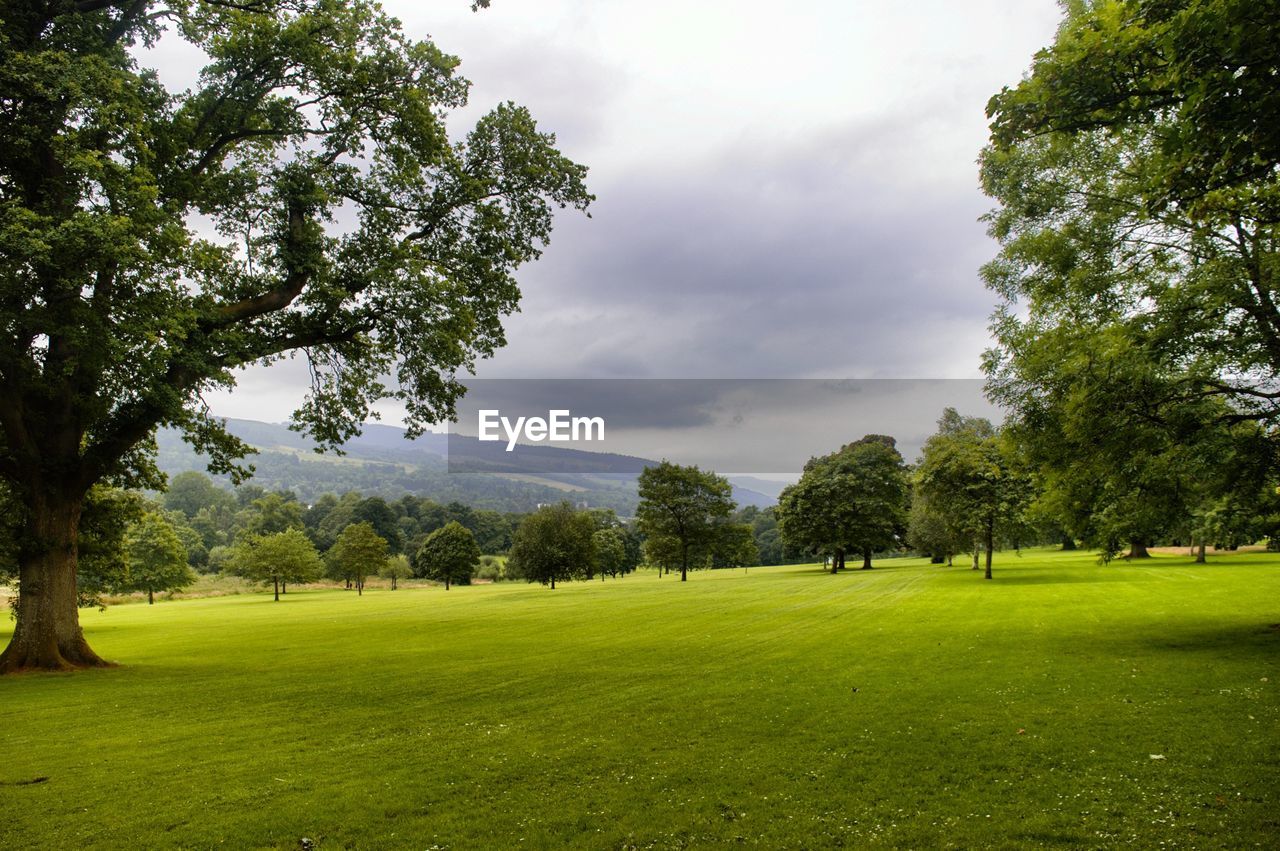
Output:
x=301 y=197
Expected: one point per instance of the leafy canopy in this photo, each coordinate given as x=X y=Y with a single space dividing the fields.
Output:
x=359 y=552
x=449 y=555
x=157 y=558
x=286 y=556
x=302 y=197
x=685 y=505
x=554 y=543
x=1136 y=171
x=853 y=499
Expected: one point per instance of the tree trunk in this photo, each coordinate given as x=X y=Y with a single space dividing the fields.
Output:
x=275 y=581
x=866 y=558
x=1138 y=549
x=1200 y=552
x=393 y=583
x=991 y=544
x=684 y=563
x=976 y=547
x=1068 y=543
x=446 y=582
x=284 y=586
x=47 y=635
x=835 y=561
x=950 y=559
x=151 y=597
x=359 y=588
x=553 y=582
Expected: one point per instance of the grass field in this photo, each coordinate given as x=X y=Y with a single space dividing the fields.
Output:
x=1063 y=704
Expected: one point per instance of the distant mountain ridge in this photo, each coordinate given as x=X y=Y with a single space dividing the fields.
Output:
x=381 y=462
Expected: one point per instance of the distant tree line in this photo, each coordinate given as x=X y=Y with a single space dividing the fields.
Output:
x=975 y=489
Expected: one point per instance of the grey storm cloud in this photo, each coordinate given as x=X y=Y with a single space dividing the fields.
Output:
x=759 y=265
x=744 y=426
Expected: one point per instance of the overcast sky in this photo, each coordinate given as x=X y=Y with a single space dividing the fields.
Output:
x=784 y=190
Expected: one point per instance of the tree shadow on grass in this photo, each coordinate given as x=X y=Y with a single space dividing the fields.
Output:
x=1050 y=576
x=789 y=571
x=1219 y=639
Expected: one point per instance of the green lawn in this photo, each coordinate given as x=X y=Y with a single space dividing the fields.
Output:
x=909 y=706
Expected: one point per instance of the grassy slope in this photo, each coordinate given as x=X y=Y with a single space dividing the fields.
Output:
x=643 y=712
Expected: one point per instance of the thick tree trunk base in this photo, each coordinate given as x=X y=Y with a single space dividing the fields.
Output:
x=47 y=636
x=24 y=654
x=1137 y=549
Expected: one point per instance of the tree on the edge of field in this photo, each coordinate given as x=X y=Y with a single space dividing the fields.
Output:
x=554 y=543
x=734 y=546
x=811 y=514
x=929 y=531
x=359 y=552
x=968 y=476
x=397 y=567
x=684 y=504
x=611 y=553
x=449 y=555
x=854 y=499
x=287 y=556
x=156 y=556
x=1137 y=175
x=157 y=241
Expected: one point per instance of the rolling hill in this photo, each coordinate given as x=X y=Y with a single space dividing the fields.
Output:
x=381 y=462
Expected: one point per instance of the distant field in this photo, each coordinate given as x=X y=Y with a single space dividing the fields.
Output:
x=1062 y=704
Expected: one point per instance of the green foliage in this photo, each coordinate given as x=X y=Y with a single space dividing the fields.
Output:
x=491 y=568
x=449 y=555
x=734 y=546
x=397 y=567
x=854 y=500
x=281 y=557
x=554 y=543
x=382 y=518
x=192 y=492
x=681 y=511
x=968 y=475
x=271 y=513
x=103 y=564
x=930 y=533
x=1139 y=335
x=611 y=552
x=301 y=109
x=1124 y=457
x=1198 y=77
x=156 y=557
x=359 y=552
